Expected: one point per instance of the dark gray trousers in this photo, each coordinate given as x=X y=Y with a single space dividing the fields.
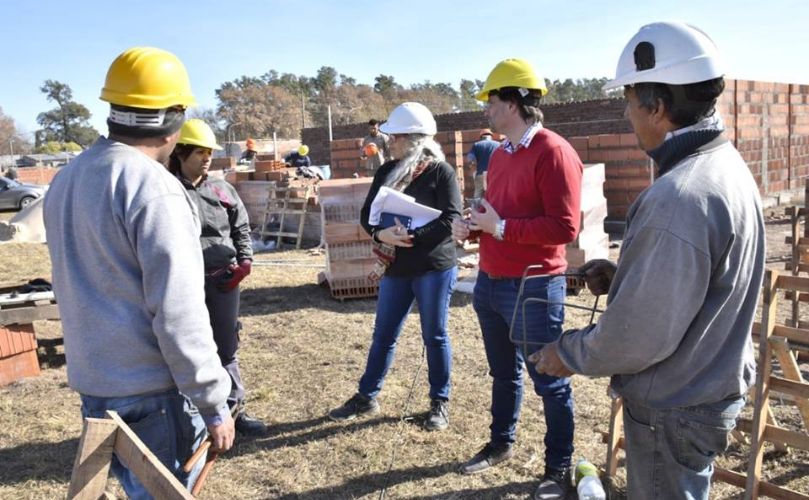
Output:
x=223 y=309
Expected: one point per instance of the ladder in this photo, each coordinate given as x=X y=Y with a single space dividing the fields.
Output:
x=283 y=201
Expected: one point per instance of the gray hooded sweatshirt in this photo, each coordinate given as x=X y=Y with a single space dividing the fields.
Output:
x=676 y=331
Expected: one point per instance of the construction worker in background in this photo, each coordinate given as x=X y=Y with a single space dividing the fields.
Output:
x=250 y=151
x=414 y=264
x=299 y=158
x=478 y=157
x=375 y=148
x=226 y=252
x=123 y=238
x=530 y=212
x=676 y=333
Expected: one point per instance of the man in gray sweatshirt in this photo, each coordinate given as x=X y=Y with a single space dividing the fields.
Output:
x=128 y=274
x=675 y=337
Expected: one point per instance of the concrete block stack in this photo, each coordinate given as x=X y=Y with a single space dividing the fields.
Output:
x=349 y=249
x=592 y=242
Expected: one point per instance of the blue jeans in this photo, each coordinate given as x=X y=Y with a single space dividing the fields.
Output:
x=670 y=453
x=494 y=302
x=432 y=292
x=167 y=423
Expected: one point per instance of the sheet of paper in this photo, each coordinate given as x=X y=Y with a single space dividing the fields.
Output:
x=395 y=202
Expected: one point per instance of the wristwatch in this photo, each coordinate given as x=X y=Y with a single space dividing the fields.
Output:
x=500 y=230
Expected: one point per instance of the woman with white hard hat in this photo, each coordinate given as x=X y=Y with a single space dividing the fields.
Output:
x=414 y=263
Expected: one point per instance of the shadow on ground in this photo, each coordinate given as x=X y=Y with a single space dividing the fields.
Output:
x=38 y=462
x=268 y=300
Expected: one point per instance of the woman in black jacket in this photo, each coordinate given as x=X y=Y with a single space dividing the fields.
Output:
x=414 y=264
x=226 y=251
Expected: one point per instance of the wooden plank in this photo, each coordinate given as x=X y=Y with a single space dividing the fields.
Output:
x=25 y=315
x=729 y=476
x=775 y=491
x=792 y=438
x=792 y=372
x=9 y=299
x=797 y=283
x=798 y=390
x=91 y=467
x=616 y=424
x=154 y=476
x=796 y=335
x=760 y=411
x=746 y=425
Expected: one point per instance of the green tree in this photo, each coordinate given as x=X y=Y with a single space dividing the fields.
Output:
x=68 y=122
x=252 y=107
x=54 y=147
x=468 y=91
x=584 y=89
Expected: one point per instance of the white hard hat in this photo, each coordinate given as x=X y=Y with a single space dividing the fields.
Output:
x=410 y=118
x=675 y=53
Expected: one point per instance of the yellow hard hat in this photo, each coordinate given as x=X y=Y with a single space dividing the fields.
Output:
x=197 y=133
x=147 y=78
x=303 y=150
x=512 y=73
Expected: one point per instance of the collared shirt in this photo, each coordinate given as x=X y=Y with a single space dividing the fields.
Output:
x=529 y=134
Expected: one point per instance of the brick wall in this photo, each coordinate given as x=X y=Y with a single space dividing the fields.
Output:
x=36 y=175
x=569 y=119
x=768 y=122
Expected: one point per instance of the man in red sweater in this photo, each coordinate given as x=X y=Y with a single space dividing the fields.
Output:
x=529 y=214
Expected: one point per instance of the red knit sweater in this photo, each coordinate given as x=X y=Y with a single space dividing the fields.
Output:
x=538 y=191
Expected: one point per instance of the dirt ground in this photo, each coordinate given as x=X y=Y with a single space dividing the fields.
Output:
x=302 y=355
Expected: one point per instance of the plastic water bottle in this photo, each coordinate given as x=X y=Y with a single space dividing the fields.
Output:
x=588 y=486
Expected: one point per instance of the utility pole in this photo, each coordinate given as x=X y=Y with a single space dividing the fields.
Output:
x=303 y=111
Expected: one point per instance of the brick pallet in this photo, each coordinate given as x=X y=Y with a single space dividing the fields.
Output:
x=349 y=249
x=18 y=344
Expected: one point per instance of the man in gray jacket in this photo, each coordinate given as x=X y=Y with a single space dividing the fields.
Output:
x=128 y=274
x=676 y=333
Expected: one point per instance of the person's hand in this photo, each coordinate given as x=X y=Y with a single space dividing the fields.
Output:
x=460 y=230
x=598 y=274
x=222 y=435
x=485 y=218
x=396 y=235
x=547 y=361
x=239 y=272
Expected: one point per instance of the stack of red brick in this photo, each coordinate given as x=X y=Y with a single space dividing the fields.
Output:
x=349 y=249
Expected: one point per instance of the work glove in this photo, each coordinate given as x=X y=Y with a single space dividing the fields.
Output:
x=238 y=273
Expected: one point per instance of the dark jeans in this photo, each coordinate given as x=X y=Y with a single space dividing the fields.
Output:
x=167 y=423
x=432 y=292
x=494 y=302
x=670 y=453
x=223 y=309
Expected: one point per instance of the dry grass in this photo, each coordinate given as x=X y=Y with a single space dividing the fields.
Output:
x=302 y=354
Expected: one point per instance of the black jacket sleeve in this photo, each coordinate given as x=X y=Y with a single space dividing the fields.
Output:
x=448 y=200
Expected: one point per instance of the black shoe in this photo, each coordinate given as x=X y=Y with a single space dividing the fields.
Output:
x=554 y=485
x=357 y=406
x=491 y=455
x=438 y=418
x=249 y=426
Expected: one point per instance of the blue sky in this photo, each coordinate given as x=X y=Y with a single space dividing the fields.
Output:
x=74 y=41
